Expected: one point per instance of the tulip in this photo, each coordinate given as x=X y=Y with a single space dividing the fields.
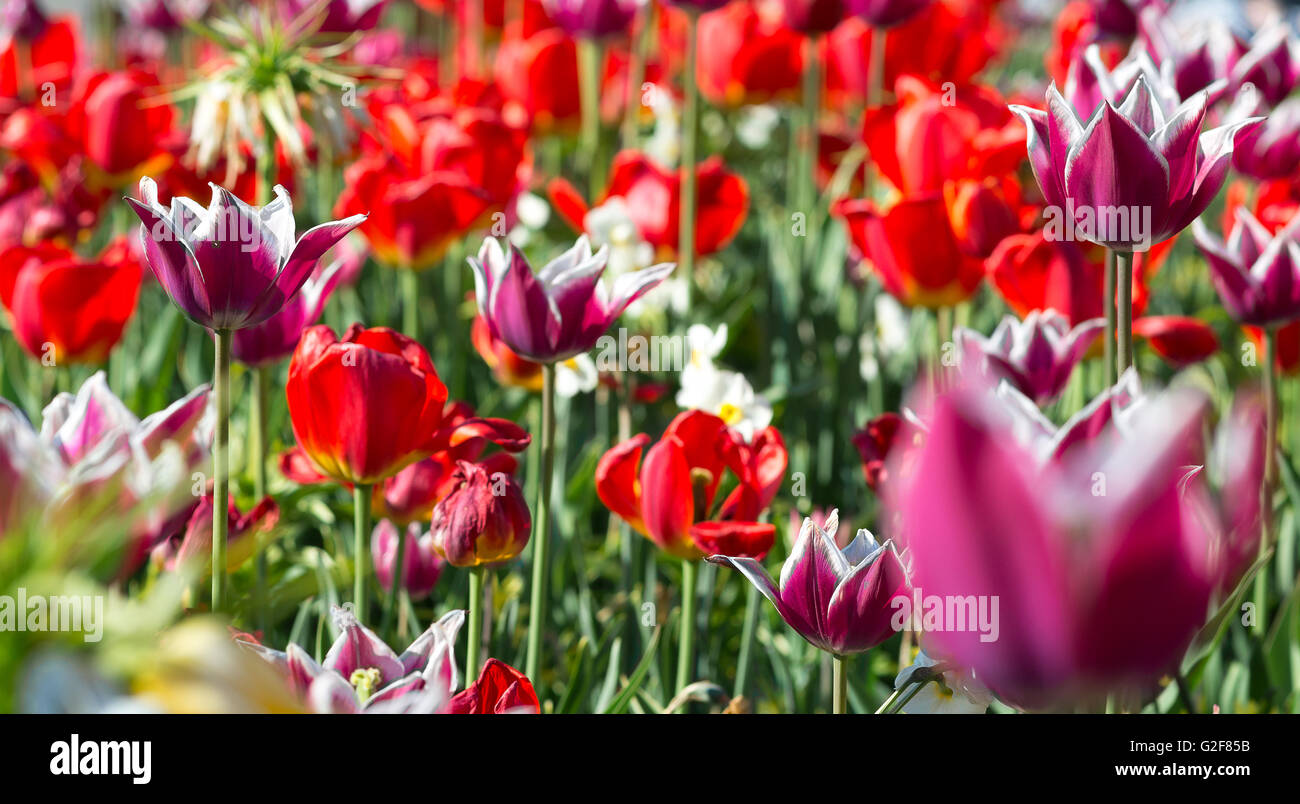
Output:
x=1256 y=274
x=562 y=310
x=812 y=17
x=229 y=267
x=482 y=522
x=592 y=18
x=538 y=75
x=123 y=124
x=1138 y=174
x=876 y=441
x=193 y=544
x=1271 y=151
x=164 y=15
x=1199 y=57
x=1179 y=340
x=339 y=16
x=697 y=6
x=913 y=250
x=750 y=59
x=343 y=397
x=94 y=460
x=671 y=498
x=839 y=600
x=276 y=338
x=421 y=564
x=360 y=673
x=886 y=13
x=1036 y=355
x=499 y=690
x=507 y=367
x=66 y=309
x=1091 y=82
x=1068 y=558
x=1271 y=64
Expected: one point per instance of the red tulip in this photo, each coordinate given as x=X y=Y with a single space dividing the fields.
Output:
x=670 y=494
x=653 y=198
x=483 y=520
x=122 y=123
x=67 y=309
x=539 y=76
x=499 y=690
x=748 y=58
x=912 y=248
x=365 y=406
x=1180 y=340
x=1034 y=272
x=876 y=441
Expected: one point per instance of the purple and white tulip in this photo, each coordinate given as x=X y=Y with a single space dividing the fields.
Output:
x=360 y=673
x=562 y=310
x=1272 y=150
x=1132 y=175
x=1271 y=65
x=1256 y=273
x=231 y=265
x=1036 y=355
x=839 y=600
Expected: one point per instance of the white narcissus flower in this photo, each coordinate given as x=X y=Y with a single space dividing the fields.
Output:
x=577 y=375
x=957 y=693
x=611 y=225
x=727 y=395
x=705 y=344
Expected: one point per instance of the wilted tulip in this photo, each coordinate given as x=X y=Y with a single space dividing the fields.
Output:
x=1257 y=274
x=499 y=690
x=231 y=265
x=840 y=600
x=482 y=521
x=1037 y=355
x=562 y=310
x=66 y=309
x=421 y=564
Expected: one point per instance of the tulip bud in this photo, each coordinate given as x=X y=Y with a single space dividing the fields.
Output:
x=483 y=521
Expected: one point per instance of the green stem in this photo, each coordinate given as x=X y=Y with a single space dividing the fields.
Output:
x=474 y=639
x=901 y=700
x=1270 y=470
x=686 y=640
x=360 y=530
x=220 y=469
x=1124 y=326
x=589 y=87
x=808 y=188
x=747 y=638
x=635 y=74
x=410 y=282
x=1108 y=304
x=690 y=112
x=840 y=681
x=542 y=526
x=257 y=455
x=876 y=87
x=390 y=604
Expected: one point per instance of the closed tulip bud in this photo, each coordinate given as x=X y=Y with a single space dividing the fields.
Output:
x=483 y=521
x=421 y=565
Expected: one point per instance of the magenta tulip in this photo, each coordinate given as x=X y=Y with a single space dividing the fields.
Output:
x=1272 y=150
x=1257 y=274
x=562 y=310
x=421 y=564
x=1130 y=175
x=1036 y=355
x=275 y=338
x=232 y=265
x=592 y=18
x=840 y=600
x=1102 y=572
x=886 y=13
